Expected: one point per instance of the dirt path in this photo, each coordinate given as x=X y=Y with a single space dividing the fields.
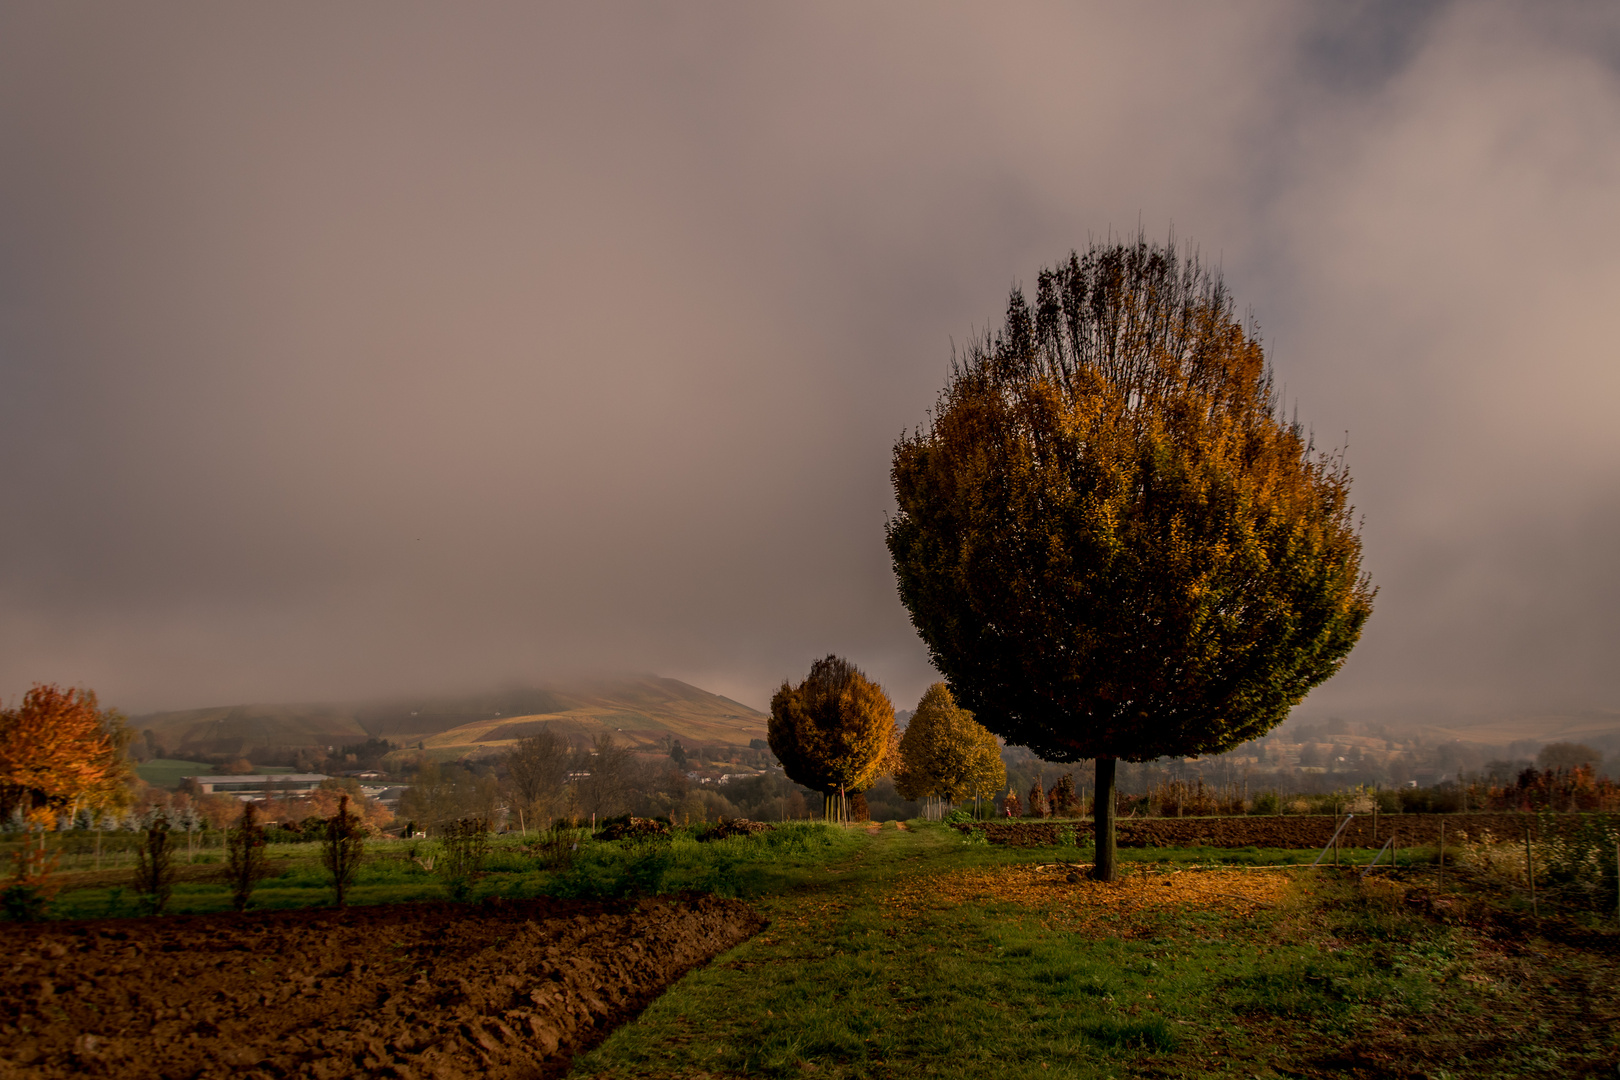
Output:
x=508 y=989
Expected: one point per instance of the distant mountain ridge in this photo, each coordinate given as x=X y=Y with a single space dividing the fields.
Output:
x=640 y=709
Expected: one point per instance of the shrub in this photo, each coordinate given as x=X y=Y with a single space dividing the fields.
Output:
x=1062 y=800
x=245 y=862
x=626 y=827
x=342 y=848
x=29 y=896
x=1577 y=860
x=154 y=867
x=733 y=827
x=554 y=849
x=466 y=842
x=1037 y=800
x=1194 y=798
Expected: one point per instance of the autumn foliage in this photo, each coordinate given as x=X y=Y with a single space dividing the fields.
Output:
x=834 y=732
x=1112 y=540
x=60 y=752
x=946 y=754
x=1571 y=789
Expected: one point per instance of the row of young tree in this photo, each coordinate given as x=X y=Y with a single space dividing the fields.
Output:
x=544 y=779
x=32 y=888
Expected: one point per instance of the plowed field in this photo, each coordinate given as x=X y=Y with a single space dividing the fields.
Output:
x=508 y=989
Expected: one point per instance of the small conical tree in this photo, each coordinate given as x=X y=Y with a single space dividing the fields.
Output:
x=342 y=848
x=245 y=861
x=154 y=865
x=1037 y=799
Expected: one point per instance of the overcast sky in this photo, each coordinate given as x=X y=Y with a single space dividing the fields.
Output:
x=363 y=349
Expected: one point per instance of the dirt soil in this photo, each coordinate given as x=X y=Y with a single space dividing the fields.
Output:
x=505 y=989
x=1290 y=831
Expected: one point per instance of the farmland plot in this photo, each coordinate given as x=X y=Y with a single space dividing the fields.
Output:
x=505 y=989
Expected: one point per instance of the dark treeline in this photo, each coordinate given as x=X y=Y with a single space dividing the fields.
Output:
x=1310 y=767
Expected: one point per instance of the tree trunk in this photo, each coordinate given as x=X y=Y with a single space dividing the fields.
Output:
x=1103 y=820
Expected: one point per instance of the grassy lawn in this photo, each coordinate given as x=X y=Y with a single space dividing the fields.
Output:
x=168 y=772
x=397 y=871
x=921 y=956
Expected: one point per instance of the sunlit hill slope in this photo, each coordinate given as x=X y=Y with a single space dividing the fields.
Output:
x=643 y=710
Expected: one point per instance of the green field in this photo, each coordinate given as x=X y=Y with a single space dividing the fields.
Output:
x=168 y=772
x=918 y=953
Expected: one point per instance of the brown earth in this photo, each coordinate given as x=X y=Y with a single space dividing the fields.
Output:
x=506 y=989
x=1302 y=831
x=1015 y=833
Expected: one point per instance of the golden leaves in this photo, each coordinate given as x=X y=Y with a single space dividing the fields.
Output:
x=59 y=751
x=835 y=730
x=1110 y=538
x=947 y=754
x=1096 y=907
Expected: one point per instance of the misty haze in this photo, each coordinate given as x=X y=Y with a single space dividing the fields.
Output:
x=455 y=466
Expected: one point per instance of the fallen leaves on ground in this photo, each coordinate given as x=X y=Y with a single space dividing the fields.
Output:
x=1086 y=905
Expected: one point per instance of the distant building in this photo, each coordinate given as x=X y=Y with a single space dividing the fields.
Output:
x=254 y=788
x=387 y=796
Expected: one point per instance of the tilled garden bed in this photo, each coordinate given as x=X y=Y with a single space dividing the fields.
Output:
x=505 y=989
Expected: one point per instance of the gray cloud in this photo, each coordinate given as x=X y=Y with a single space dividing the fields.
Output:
x=385 y=348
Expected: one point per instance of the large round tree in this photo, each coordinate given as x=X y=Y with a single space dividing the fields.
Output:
x=1111 y=539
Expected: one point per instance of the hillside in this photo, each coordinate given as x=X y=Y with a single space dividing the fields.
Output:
x=1596 y=727
x=642 y=709
x=241 y=730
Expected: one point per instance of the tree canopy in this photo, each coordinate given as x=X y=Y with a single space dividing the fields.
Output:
x=834 y=732
x=1111 y=539
x=59 y=751
x=946 y=754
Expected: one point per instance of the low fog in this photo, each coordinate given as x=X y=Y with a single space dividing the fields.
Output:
x=395 y=348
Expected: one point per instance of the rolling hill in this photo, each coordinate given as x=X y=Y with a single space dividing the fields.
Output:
x=640 y=709
x=1599 y=728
